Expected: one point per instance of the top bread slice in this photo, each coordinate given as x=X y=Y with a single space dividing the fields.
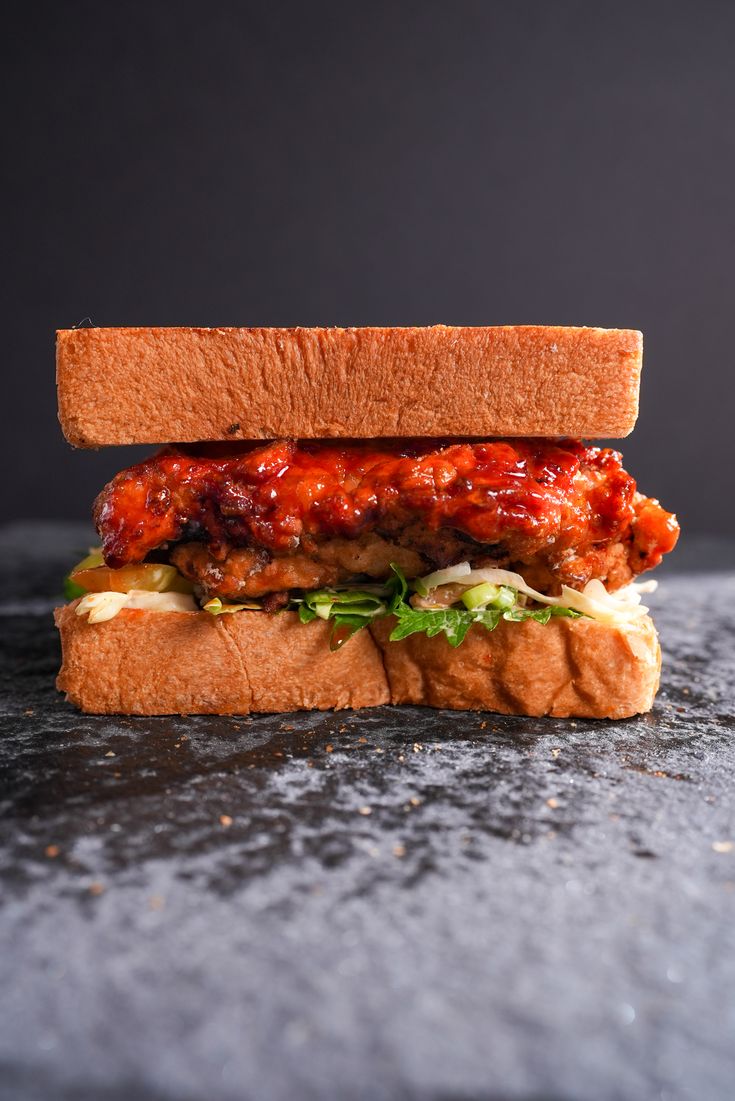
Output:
x=179 y=385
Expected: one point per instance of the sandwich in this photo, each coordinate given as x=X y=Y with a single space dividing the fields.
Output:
x=355 y=517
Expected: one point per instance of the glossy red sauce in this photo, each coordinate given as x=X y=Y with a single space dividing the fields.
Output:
x=523 y=494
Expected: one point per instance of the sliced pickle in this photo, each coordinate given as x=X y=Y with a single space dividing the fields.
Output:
x=92 y=560
x=151 y=577
x=216 y=607
x=71 y=590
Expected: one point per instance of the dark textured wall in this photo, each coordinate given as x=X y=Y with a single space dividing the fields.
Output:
x=375 y=163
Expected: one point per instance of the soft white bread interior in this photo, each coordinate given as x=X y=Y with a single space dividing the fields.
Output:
x=162 y=385
x=154 y=663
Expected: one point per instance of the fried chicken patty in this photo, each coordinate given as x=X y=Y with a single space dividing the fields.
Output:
x=298 y=515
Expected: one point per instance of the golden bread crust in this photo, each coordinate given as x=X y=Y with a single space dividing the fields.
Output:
x=161 y=385
x=155 y=663
x=163 y=663
x=563 y=668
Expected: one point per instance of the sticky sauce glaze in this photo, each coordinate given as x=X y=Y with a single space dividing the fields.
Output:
x=522 y=494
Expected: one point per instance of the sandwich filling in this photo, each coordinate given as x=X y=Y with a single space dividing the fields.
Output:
x=263 y=521
x=438 y=536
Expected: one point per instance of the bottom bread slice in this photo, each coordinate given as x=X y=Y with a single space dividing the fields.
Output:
x=161 y=663
x=565 y=668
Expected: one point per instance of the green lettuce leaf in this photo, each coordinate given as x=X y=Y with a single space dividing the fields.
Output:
x=453 y=622
x=398 y=587
x=351 y=610
x=456 y=622
x=72 y=590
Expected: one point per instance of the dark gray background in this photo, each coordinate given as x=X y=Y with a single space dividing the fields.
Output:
x=378 y=163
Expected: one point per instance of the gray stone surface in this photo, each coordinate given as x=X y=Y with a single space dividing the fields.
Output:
x=398 y=903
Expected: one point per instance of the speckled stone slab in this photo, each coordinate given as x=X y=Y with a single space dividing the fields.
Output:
x=389 y=904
